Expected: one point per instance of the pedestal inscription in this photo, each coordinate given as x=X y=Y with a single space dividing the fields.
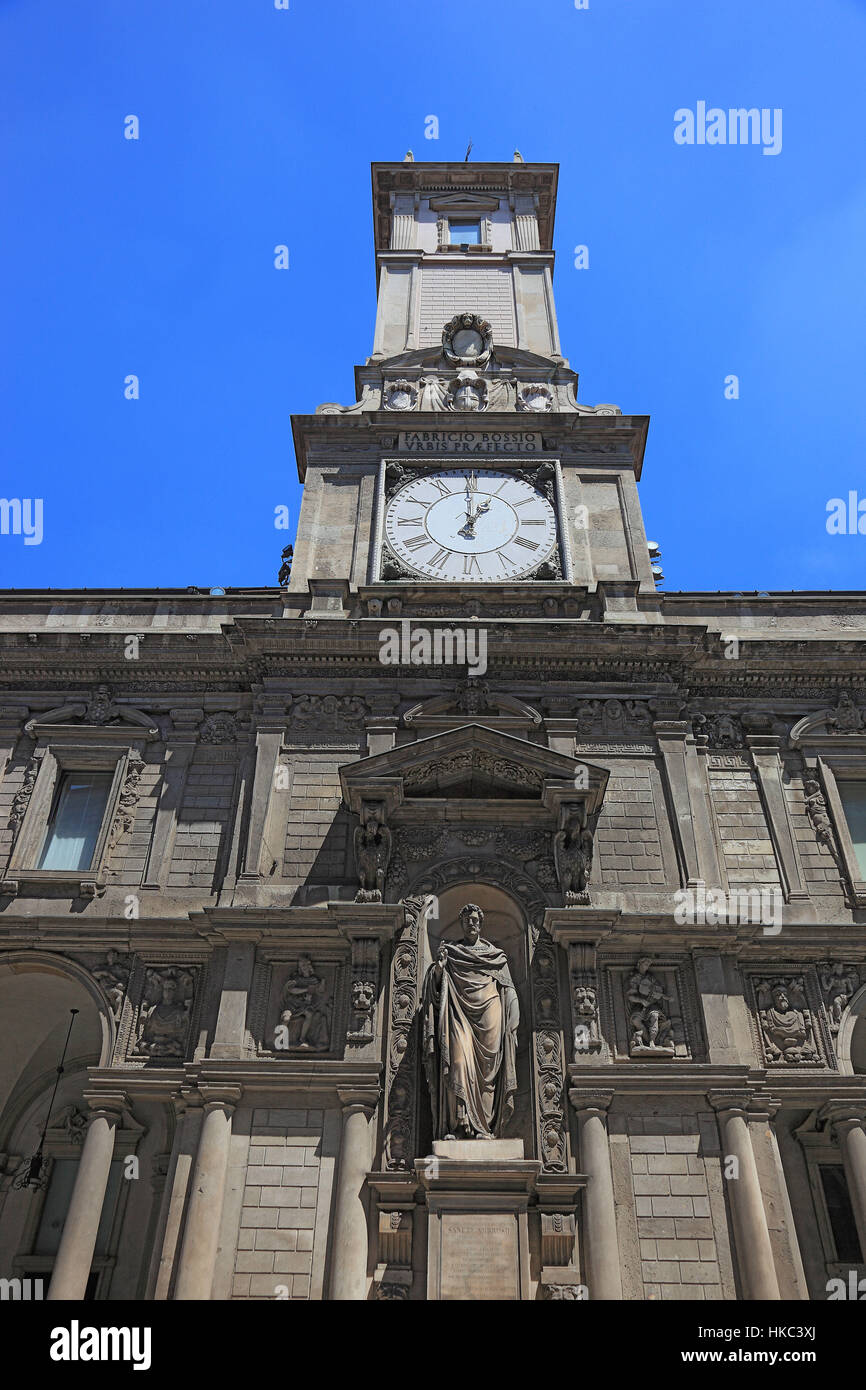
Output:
x=480 y=1256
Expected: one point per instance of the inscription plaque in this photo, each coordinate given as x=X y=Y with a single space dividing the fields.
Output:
x=480 y=1256
x=469 y=442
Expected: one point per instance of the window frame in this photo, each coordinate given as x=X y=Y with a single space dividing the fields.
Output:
x=832 y=769
x=458 y=221
x=58 y=755
x=820 y=1151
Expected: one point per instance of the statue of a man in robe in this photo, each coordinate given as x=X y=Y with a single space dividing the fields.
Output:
x=470 y=1035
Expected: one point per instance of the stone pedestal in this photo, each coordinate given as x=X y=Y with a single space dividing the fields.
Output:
x=478 y=1194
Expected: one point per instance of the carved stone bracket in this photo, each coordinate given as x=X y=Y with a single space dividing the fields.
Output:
x=364 y=989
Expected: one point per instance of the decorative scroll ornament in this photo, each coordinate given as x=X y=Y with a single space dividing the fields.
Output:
x=100 y=710
x=21 y=799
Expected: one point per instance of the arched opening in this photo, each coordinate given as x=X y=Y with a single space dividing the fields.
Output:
x=851 y=1039
x=37 y=993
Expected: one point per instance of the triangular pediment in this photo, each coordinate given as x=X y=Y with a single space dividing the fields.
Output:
x=472 y=762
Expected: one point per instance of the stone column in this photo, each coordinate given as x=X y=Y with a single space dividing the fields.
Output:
x=78 y=1241
x=751 y=1232
x=201 y=1233
x=349 y=1253
x=604 y=1277
x=847 y=1122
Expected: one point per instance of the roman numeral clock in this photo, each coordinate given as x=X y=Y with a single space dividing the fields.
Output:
x=473 y=523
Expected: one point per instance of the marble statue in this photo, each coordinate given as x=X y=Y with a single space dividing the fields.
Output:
x=470 y=1018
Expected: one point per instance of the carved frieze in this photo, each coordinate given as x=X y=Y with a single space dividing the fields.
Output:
x=326 y=718
x=613 y=719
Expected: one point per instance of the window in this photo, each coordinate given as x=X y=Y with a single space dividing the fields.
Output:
x=840 y=1213
x=464 y=233
x=75 y=820
x=853 y=797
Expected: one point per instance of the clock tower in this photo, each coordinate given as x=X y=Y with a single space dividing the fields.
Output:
x=467 y=459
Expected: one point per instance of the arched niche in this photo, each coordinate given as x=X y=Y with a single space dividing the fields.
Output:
x=851 y=1039
x=506 y=925
x=37 y=992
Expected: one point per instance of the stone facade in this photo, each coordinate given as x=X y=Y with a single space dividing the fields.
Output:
x=648 y=795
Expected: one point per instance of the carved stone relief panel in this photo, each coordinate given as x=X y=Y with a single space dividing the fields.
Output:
x=789 y=1022
x=158 y=1012
x=297 y=1007
x=649 y=1010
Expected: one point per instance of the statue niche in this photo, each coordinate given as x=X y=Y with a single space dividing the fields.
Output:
x=470 y=1018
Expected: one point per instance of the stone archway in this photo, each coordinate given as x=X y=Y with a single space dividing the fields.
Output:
x=851 y=1039
x=37 y=991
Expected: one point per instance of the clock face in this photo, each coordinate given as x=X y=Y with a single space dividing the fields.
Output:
x=468 y=526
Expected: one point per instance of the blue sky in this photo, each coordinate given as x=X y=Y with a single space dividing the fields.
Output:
x=257 y=128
